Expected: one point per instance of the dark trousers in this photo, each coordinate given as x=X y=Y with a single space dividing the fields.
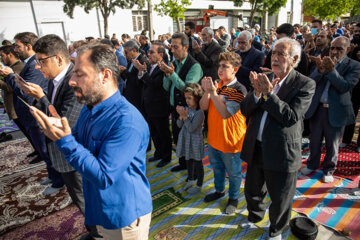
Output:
x=281 y=187
x=320 y=127
x=23 y=130
x=38 y=139
x=176 y=131
x=349 y=130
x=195 y=170
x=73 y=183
x=160 y=134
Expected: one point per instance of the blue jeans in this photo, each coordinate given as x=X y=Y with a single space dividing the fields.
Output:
x=222 y=163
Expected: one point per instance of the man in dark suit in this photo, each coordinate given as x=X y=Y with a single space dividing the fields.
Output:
x=331 y=109
x=133 y=90
x=156 y=104
x=207 y=54
x=59 y=71
x=189 y=31
x=272 y=145
x=24 y=43
x=251 y=59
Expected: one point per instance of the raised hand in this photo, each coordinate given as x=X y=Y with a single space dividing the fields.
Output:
x=329 y=63
x=30 y=89
x=196 y=46
x=140 y=67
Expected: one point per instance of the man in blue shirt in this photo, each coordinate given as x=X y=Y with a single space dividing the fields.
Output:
x=107 y=146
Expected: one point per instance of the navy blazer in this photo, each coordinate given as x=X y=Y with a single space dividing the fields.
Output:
x=252 y=61
x=29 y=74
x=342 y=80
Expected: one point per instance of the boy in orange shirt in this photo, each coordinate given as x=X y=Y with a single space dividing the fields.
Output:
x=226 y=128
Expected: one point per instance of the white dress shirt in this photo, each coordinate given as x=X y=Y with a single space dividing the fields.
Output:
x=57 y=80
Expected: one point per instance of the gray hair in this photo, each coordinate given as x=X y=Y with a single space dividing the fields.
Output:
x=209 y=30
x=306 y=27
x=131 y=44
x=344 y=39
x=295 y=49
x=247 y=34
x=252 y=31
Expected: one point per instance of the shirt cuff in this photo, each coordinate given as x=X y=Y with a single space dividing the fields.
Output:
x=256 y=98
x=67 y=144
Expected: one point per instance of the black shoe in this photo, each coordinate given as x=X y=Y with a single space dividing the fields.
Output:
x=33 y=154
x=35 y=160
x=178 y=168
x=162 y=163
x=213 y=196
x=5 y=137
x=153 y=159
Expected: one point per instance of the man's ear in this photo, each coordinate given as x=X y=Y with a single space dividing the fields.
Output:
x=295 y=58
x=107 y=76
x=29 y=47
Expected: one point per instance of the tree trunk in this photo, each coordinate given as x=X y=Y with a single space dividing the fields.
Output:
x=252 y=14
x=106 y=24
x=150 y=21
x=178 y=24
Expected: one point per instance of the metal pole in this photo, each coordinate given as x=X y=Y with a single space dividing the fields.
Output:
x=34 y=16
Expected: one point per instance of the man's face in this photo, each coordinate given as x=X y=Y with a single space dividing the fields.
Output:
x=322 y=40
x=296 y=30
x=316 y=25
x=244 y=45
x=154 y=56
x=48 y=65
x=187 y=31
x=221 y=31
x=130 y=54
x=338 y=49
x=333 y=30
x=21 y=50
x=142 y=41
x=281 y=62
x=226 y=71
x=86 y=81
x=357 y=32
x=179 y=51
x=206 y=37
x=5 y=58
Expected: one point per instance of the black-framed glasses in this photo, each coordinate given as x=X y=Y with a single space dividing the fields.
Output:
x=40 y=61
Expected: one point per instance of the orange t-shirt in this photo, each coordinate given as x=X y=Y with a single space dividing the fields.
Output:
x=227 y=135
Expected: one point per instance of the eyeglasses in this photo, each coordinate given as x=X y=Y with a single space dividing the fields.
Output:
x=40 y=61
x=337 y=48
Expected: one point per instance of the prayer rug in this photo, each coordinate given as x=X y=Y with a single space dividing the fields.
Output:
x=330 y=204
x=65 y=224
x=13 y=156
x=348 y=165
x=165 y=201
x=22 y=200
x=6 y=125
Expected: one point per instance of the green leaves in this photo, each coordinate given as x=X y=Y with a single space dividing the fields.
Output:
x=330 y=9
x=172 y=8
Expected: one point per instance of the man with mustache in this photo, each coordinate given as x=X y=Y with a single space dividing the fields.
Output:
x=272 y=145
x=331 y=109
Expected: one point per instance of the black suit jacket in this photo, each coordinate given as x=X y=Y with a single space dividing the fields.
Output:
x=209 y=59
x=156 y=100
x=252 y=61
x=133 y=90
x=282 y=133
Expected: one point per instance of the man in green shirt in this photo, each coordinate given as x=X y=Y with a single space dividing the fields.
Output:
x=185 y=69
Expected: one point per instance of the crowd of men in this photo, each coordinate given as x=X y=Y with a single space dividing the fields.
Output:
x=91 y=109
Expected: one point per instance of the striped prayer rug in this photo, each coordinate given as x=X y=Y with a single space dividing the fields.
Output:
x=6 y=125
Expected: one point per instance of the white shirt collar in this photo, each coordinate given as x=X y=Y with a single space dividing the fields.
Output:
x=58 y=79
x=26 y=60
x=232 y=82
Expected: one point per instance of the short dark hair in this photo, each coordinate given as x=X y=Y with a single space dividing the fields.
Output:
x=191 y=25
x=285 y=28
x=183 y=37
x=317 y=21
x=131 y=44
x=51 y=44
x=107 y=42
x=357 y=25
x=101 y=56
x=222 y=27
x=333 y=26
x=297 y=25
x=115 y=42
x=125 y=35
x=160 y=48
x=5 y=42
x=26 y=38
x=8 y=49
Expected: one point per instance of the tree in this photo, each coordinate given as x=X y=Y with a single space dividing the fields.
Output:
x=262 y=6
x=174 y=9
x=329 y=9
x=106 y=7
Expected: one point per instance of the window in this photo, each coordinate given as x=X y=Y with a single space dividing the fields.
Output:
x=139 y=20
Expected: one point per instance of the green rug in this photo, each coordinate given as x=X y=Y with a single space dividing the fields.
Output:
x=165 y=201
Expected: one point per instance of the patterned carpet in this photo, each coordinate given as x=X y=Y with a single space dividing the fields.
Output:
x=22 y=200
x=5 y=124
x=13 y=156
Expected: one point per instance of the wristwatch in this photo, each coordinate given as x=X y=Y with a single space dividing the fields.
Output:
x=266 y=96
